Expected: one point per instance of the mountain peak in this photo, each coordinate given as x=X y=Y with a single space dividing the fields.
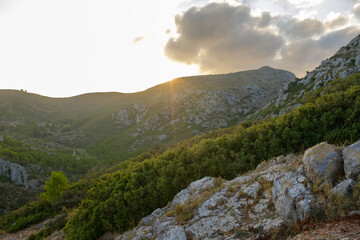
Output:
x=266 y=68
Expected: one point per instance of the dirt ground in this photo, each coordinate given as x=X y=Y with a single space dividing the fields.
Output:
x=342 y=229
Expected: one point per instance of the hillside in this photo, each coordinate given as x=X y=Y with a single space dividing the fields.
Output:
x=89 y=132
x=345 y=62
x=114 y=126
x=266 y=203
x=118 y=200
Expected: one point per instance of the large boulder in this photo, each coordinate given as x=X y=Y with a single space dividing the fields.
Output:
x=322 y=162
x=292 y=199
x=351 y=156
x=344 y=188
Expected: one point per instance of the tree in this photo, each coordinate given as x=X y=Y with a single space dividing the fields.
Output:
x=55 y=186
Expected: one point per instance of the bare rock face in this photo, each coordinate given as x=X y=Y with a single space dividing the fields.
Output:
x=344 y=188
x=351 y=155
x=322 y=162
x=15 y=172
x=292 y=199
x=192 y=191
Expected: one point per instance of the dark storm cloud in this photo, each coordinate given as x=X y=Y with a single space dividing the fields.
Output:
x=221 y=38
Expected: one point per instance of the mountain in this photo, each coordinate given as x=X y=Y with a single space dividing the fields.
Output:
x=345 y=62
x=119 y=199
x=321 y=184
x=115 y=126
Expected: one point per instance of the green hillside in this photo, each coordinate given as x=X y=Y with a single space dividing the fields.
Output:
x=116 y=126
x=117 y=201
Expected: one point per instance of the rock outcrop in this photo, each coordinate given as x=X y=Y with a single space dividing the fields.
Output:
x=279 y=193
x=15 y=172
x=292 y=199
x=199 y=104
x=345 y=62
x=344 y=188
x=322 y=162
x=352 y=160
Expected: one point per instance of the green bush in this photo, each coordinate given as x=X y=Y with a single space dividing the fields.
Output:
x=55 y=186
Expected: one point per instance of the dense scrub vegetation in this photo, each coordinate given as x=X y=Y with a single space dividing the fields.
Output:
x=44 y=208
x=117 y=201
x=18 y=152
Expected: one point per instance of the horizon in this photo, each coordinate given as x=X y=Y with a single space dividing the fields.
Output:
x=85 y=93
x=111 y=46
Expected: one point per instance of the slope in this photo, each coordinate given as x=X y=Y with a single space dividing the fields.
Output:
x=114 y=126
x=117 y=201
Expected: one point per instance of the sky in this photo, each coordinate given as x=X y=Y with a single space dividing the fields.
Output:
x=62 y=48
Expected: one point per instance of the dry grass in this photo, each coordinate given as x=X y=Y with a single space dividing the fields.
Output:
x=185 y=212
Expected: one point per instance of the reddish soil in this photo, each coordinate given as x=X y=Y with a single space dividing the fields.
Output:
x=340 y=229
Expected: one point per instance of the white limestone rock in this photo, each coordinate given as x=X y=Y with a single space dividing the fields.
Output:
x=15 y=172
x=292 y=199
x=344 y=188
x=322 y=162
x=351 y=155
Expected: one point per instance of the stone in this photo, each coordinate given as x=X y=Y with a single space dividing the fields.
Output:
x=192 y=191
x=322 y=162
x=351 y=156
x=15 y=172
x=252 y=189
x=212 y=226
x=172 y=233
x=344 y=188
x=292 y=199
x=239 y=205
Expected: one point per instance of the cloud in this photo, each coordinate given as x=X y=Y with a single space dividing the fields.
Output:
x=296 y=29
x=138 y=39
x=338 y=21
x=356 y=10
x=221 y=38
x=305 y=54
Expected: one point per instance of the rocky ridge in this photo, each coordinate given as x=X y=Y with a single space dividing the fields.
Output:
x=195 y=105
x=282 y=193
x=169 y=112
x=345 y=62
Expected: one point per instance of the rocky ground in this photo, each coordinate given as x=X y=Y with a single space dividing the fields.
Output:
x=271 y=202
x=307 y=194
